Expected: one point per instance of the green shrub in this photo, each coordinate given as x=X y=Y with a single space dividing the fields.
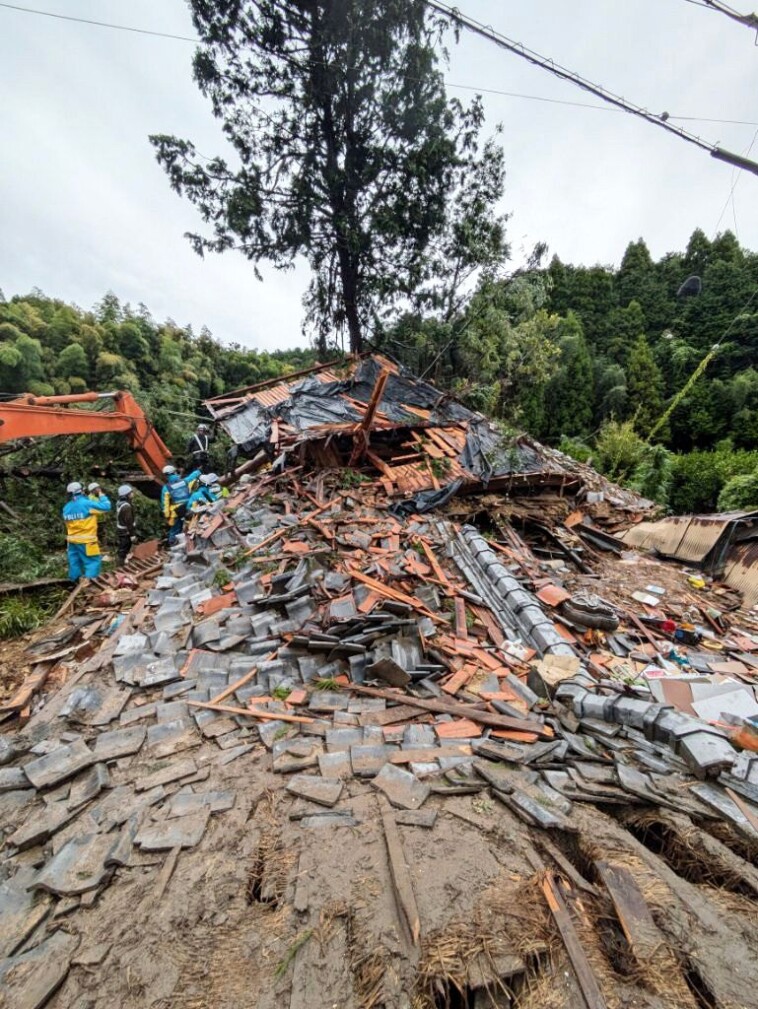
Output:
x=653 y=475
x=575 y=448
x=618 y=449
x=741 y=492
x=699 y=477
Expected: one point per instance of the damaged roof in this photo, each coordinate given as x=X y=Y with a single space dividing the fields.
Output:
x=370 y=411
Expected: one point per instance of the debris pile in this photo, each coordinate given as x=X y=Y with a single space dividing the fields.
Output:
x=373 y=757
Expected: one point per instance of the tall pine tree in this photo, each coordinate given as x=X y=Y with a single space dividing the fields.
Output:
x=644 y=384
x=344 y=150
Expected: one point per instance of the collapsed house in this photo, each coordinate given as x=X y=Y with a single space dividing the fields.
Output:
x=403 y=723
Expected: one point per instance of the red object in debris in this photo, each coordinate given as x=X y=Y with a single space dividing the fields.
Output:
x=553 y=595
x=668 y=626
x=144 y=550
x=217 y=603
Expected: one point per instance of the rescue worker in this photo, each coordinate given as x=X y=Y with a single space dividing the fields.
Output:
x=94 y=493
x=80 y=514
x=198 y=448
x=125 y=524
x=174 y=497
x=206 y=494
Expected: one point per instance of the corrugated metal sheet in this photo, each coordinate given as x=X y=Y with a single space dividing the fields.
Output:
x=694 y=539
x=742 y=571
x=701 y=536
x=664 y=536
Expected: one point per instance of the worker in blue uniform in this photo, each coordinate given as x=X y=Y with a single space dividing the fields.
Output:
x=208 y=492
x=80 y=514
x=174 y=498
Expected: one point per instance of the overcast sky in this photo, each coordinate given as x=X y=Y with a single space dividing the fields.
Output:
x=85 y=208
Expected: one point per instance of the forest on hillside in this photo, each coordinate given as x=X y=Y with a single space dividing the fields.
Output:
x=599 y=361
x=591 y=359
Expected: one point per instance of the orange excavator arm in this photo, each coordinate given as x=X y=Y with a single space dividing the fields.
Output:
x=48 y=416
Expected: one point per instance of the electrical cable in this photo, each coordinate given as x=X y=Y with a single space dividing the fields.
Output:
x=748 y=20
x=450 y=84
x=735 y=183
x=545 y=63
x=99 y=24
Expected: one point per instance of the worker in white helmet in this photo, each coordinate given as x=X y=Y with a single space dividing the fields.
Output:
x=198 y=448
x=125 y=522
x=174 y=497
x=80 y=515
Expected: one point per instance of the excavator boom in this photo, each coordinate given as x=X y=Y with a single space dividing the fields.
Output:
x=48 y=416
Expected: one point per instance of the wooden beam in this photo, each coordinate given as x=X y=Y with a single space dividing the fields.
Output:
x=582 y=969
x=399 y=872
x=273 y=716
x=642 y=934
x=484 y=717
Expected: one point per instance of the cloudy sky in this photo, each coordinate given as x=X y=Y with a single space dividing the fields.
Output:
x=85 y=208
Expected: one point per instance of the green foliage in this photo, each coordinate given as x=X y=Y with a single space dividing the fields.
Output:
x=569 y=394
x=576 y=449
x=739 y=493
x=72 y=362
x=350 y=478
x=19 y=615
x=644 y=386
x=653 y=475
x=24 y=561
x=619 y=449
x=699 y=477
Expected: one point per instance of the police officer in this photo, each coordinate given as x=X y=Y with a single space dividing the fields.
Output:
x=80 y=513
x=125 y=523
x=174 y=497
x=198 y=448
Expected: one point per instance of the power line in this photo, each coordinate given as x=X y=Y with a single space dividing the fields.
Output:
x=589 y=105
x=730 y=197
x=545 y=63
x=748 y=20
x=450 y=84
x=99 y=24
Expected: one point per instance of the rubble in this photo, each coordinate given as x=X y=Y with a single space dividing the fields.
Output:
x=384 y=730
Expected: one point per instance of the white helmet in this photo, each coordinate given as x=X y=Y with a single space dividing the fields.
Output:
x=202 y=427
x=74 y=488
x=216 y=488
x=125 y=490
x=168 y=470
x=93 y=486
x=208 y=478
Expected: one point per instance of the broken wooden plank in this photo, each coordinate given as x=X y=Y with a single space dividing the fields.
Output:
x=30 y=686
x=164 y=876
x=642 y=934
x=228 y=691
x=68 y=602
x=274 y=716
x=461 y=626
x=390 y=716
x=401 y=877
x=8 y=588
x=462 y=710
x=744 y=808
x=584 y=974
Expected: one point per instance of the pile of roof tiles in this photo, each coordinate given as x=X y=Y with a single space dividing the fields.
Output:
x=304 y=616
